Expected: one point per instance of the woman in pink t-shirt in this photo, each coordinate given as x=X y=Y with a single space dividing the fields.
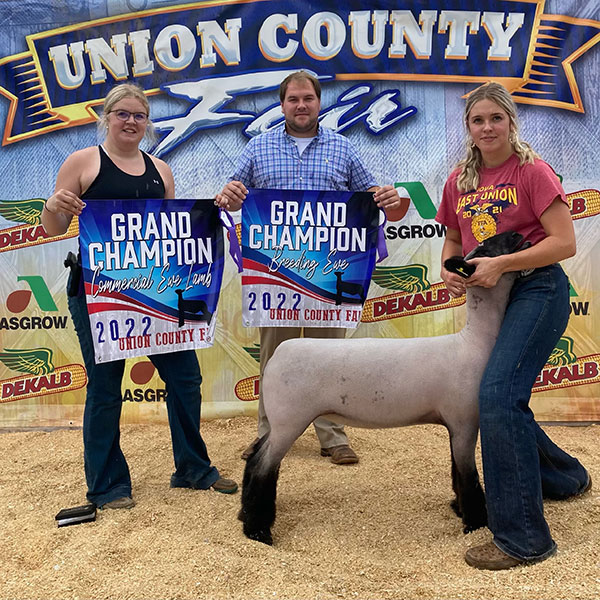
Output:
x=503 y=185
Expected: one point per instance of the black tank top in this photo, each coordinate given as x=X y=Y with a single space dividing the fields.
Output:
x=112 y=183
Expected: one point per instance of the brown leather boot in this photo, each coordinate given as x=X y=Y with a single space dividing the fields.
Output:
x=340 y=455
x=490 y=557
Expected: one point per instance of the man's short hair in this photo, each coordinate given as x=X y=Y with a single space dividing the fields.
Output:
x=299 y=76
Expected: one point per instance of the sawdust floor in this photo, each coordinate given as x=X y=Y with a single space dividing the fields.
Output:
x=381 y=529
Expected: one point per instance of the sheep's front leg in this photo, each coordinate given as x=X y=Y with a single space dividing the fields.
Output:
x=469 y=503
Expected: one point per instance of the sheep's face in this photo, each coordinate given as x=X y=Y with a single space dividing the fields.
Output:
x=501 y=243
x=497 y=245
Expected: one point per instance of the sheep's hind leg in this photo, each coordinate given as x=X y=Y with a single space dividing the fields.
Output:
x=469 y=503
x=454 y=504
x=259 y=490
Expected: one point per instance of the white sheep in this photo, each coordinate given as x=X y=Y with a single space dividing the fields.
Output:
x=377 y=383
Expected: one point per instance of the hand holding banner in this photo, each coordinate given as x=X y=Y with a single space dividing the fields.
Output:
x=152 y=275
x=307 y=256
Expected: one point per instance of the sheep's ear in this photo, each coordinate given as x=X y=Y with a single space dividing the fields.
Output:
x=524 y=246
x=457 y=264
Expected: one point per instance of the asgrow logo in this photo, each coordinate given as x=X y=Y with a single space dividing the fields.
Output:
x=140 y=374
x=19 y=300
x=583 y=203
x=424 y=206
x=578 y=308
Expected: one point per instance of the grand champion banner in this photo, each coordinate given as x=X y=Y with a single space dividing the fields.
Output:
x=152 y=273
x=307 y=257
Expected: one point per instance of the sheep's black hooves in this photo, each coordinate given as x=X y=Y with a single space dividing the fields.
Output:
x=468 y=527
x=261 y=535
x=454 y=506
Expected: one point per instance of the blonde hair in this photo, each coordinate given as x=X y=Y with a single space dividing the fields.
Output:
x=472 y=163
x=118 y=93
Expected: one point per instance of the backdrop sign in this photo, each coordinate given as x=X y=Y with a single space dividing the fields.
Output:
x=197 y=52
x=152 y=272
x=307 y=257
x=394 y=77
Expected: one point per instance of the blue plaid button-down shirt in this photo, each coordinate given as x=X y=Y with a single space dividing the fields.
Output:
x=329 y=163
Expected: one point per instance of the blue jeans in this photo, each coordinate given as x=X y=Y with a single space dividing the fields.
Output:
x=106 y=470
x=521 y=464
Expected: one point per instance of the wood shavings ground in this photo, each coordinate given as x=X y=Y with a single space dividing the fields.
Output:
x=382 y=529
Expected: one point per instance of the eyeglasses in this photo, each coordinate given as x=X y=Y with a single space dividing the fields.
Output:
x=123 y=115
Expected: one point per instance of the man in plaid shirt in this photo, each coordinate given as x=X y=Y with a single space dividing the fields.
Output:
x=302 y=156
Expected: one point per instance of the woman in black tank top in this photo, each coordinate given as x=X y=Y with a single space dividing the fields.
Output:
x=119 y=169
x=110 y=178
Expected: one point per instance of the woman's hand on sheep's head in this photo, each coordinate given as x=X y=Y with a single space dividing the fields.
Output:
x=487 y=272
x=454 y=283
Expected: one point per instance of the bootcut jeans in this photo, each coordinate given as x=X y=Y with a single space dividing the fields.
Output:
x=106 y=470
x=521 y=464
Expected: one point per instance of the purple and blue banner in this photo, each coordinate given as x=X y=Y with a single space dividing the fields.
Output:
x=307 y=256
x=152 y=273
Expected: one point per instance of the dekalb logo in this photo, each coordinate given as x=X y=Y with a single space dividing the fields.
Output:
x=417 y=295
x=18 y=300
x=585 y=203
x=31 y=232
x=42 y=377
x=565 y=369
x=248 y=389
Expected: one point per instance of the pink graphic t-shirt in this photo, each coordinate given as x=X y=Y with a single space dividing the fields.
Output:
x=509 y=197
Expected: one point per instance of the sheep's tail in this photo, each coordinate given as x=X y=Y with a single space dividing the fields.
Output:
x=259 y=491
